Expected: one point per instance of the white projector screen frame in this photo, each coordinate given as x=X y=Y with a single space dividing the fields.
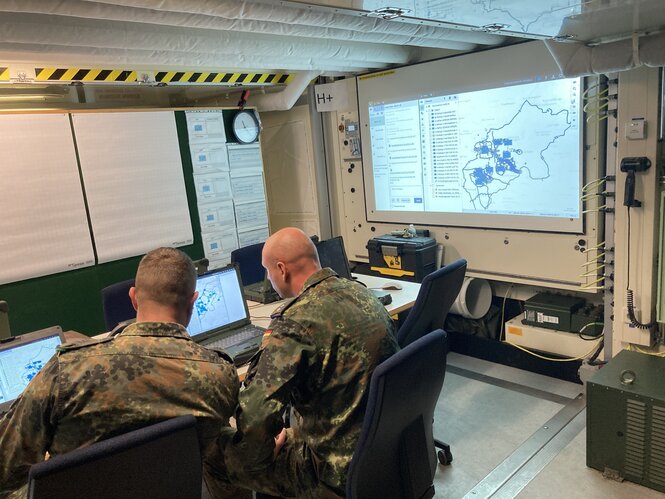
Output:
x=509 y=70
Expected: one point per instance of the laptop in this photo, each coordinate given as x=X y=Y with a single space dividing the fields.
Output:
x=255 y=280
x=21 y=358
x=332 y=254
x=221 y=317
x=262 y=291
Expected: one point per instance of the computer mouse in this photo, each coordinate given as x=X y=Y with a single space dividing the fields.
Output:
x=392 y=285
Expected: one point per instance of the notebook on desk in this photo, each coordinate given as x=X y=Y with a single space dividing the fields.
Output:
x=21 y=358
x=221 y=317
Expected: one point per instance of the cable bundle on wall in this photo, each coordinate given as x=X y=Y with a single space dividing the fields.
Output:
x=596 y=106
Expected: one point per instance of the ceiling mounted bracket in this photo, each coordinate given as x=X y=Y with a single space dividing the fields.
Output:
x=388 y=13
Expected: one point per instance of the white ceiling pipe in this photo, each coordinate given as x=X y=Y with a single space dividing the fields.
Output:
x=153 y=60
x=576 y=59
x=234 y=9
x=284 y=100
x=81 y=9
x=27 y=28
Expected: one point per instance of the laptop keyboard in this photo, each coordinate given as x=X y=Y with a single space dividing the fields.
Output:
x=241 y=335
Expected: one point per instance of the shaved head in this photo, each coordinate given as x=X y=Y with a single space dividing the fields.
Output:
x=290 y=245
x=290 y=257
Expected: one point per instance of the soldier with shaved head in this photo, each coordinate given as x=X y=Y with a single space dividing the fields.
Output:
x=318 y=355
x=149 y=372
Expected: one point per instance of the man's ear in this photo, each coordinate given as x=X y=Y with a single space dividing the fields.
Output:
x=283 y=271
x=190 y=307
x=193 y=300
x=132 y=297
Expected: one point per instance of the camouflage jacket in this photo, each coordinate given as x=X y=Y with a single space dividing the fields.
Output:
x=318 y=354
x=91 y=391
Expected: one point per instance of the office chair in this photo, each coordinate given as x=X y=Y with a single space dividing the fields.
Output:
x=116 y=303
x=248 y=259
x=395 y=454
x=437 y=294
x=159 y=461
x=5 y=331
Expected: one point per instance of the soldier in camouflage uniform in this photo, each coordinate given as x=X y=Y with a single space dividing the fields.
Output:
x=150 y=372
x=318 y=354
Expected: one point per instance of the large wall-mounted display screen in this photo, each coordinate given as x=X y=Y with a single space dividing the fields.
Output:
x=490 y=140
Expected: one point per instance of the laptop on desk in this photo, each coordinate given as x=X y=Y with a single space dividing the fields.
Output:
x=221 y=317
x=332 y=254
x=261 y=292
x=21 y=358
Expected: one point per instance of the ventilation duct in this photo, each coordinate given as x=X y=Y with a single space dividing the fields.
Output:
x=580 y=60
x=284 y=100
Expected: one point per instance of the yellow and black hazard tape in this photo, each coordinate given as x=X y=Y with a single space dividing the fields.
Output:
x=232 y=78
x=91 y=75
x=132 y=76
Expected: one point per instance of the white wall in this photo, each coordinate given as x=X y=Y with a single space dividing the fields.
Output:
x=638 y=97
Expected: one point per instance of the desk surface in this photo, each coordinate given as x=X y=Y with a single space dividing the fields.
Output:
x=403 y=299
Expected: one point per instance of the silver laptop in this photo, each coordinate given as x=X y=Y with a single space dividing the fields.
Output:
x=221 y=317
x=21 y=358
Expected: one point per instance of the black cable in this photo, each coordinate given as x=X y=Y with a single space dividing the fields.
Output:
x=630 y=299
x=628 y=252
x=592 y=359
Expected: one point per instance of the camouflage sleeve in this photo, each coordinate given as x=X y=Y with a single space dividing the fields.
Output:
x=285 y=351
x=26 y=430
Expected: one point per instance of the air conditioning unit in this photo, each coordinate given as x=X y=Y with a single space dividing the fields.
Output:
x=626 y=419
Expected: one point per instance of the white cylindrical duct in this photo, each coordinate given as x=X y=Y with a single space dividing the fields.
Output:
x=284 y=100
x=577 y=59
x=474 y=299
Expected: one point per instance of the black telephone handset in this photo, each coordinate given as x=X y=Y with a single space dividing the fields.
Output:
x=630 y=166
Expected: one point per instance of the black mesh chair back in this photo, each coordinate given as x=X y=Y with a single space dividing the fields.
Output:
x=437 y=294
x=159 y=461
x=395 y=455
x=116 y=303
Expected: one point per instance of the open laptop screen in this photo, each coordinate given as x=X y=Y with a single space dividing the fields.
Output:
x=332 y=254
x=221 y=302
x=21 y=361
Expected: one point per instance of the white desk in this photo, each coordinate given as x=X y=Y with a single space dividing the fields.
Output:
x=403 y=299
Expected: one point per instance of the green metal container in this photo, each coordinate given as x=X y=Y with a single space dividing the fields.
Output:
x=626 y=419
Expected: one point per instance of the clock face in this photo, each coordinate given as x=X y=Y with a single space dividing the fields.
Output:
x=245 y=127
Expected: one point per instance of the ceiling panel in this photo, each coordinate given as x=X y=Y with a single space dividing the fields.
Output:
x=232 y=43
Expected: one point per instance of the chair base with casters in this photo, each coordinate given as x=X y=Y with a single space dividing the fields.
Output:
x=444 y=455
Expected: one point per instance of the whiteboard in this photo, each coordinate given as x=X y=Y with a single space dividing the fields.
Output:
x=44 y=228
x=134 y=182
